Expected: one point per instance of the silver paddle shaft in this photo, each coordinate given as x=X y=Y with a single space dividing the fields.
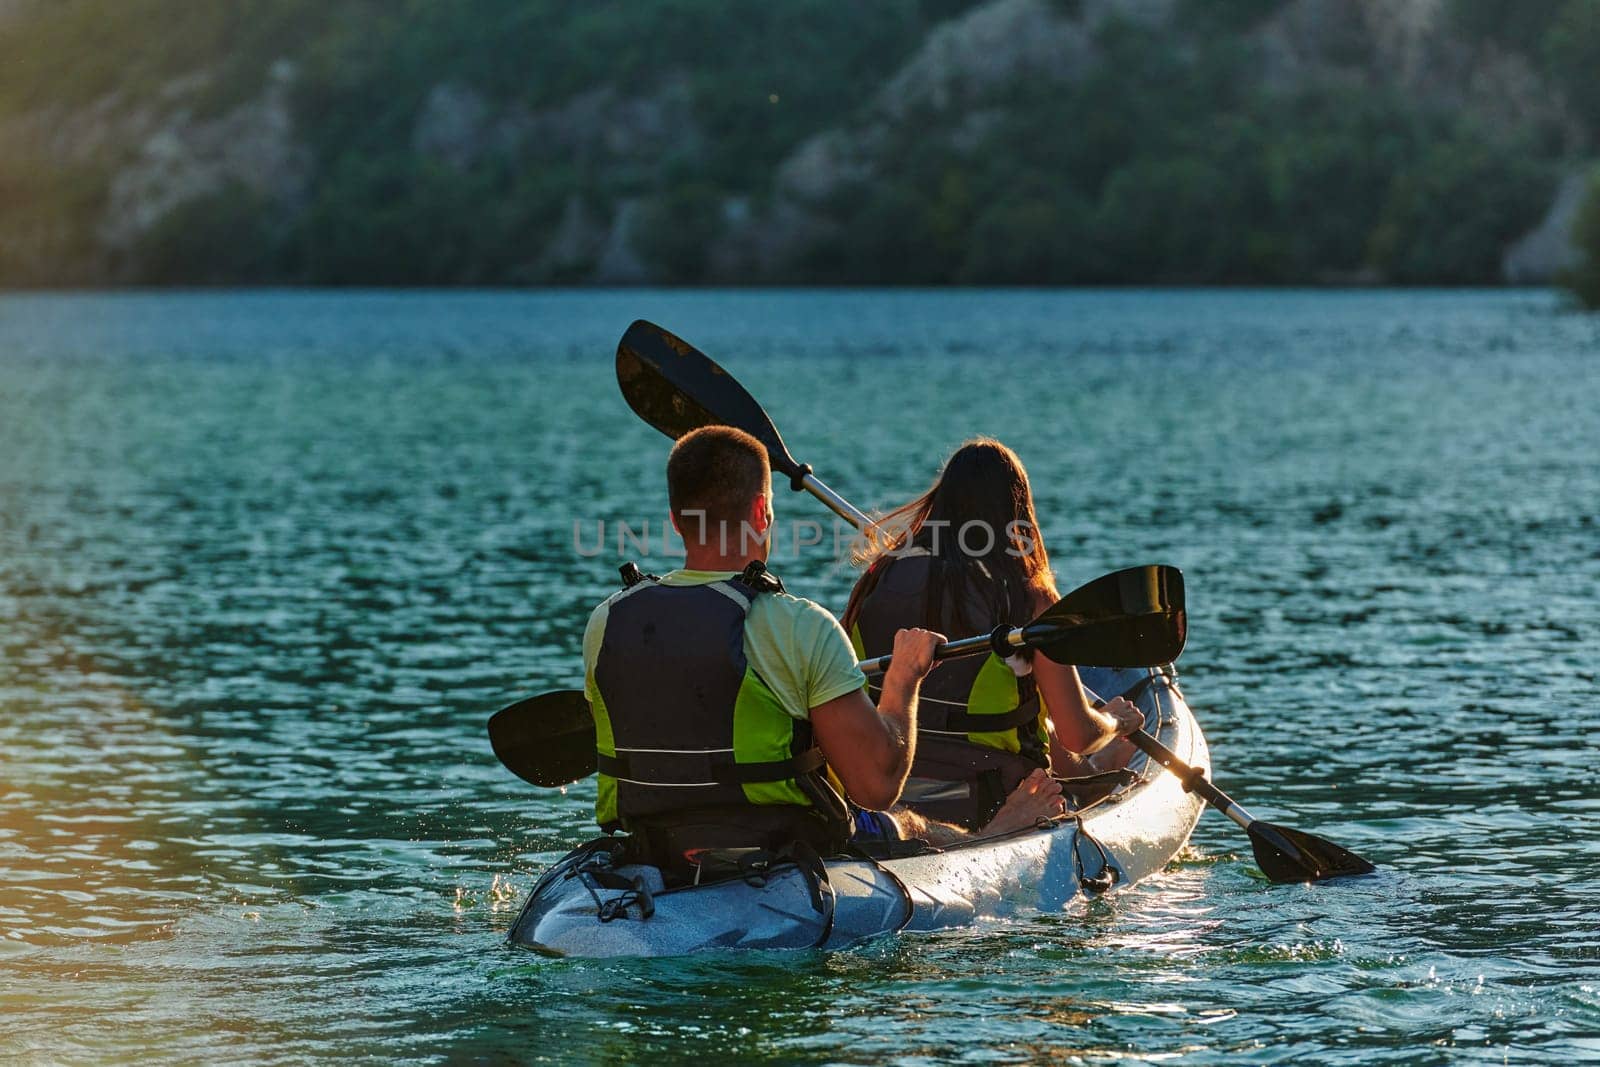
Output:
x=966 y=646
x=1193 y=778
x=836 y=503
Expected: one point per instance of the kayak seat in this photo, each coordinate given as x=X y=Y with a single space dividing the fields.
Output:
x=890 y=848
x=708 y=865
x=1092 y=790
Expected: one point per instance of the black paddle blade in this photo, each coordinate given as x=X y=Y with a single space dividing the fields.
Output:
x=1128 y=618
x=1287 y=855
x=676 y=388
x=547 y=740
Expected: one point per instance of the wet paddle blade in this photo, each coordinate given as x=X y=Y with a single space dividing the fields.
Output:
x=1128 y=618
x=1287 y=855
x=547 y=740
x=677 y=388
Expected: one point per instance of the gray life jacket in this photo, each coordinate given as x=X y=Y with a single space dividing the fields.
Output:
x=980 y=725
x=688 y=734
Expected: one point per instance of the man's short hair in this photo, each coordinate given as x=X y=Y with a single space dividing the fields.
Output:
x=717 y=470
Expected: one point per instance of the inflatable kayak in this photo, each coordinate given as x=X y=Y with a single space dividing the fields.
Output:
x=585 y=906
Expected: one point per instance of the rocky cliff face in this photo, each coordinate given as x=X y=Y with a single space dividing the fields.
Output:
x=1548 y=251
x=176 y=157
x=951 y=81
x=1407 y=45
x=144 y=159
x=92 y=182
x=951 y=84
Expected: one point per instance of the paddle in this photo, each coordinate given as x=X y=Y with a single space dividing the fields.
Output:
x=547 y=740
x=1129 y=618
x=677 y=388
x=1285 y=855
x=1132 y=618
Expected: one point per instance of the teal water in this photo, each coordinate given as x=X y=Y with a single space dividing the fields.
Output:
x=268 y=561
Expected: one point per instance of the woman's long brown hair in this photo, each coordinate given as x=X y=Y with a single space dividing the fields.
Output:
x=983 y=482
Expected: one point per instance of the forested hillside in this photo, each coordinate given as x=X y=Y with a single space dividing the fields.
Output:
x=803 y=141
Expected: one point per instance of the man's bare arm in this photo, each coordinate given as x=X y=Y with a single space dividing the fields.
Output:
x=871 y=748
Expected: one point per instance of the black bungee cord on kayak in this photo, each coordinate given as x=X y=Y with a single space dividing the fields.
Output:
x=598 y=866
x=1106 y=879
x=633 y=891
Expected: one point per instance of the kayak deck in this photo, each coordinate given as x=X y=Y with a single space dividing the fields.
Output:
x=1109 y=845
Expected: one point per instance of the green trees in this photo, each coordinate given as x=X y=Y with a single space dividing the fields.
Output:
x=675 y=232
x=1166 y=155
x=1571 y=53
x=1560 y=38
x=221 y=238
x=1167 y=165
x=1449 y=216
x=1585 y=279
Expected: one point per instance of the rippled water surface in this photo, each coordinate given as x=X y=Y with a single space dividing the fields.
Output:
x=268 y=561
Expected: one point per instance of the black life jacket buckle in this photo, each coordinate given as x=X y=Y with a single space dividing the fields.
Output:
x=757 y=577
x=632 y=575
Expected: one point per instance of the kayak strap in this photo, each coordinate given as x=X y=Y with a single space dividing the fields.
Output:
x=755 y=866
x=596 y=873
x=719 y=771
x=896 y=850
x=1091 y=790
x=823 y=899
x=1105 y=874
x=566 y=867
x=945 y=720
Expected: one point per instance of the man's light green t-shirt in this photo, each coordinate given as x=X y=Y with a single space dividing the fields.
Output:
x=796 y=646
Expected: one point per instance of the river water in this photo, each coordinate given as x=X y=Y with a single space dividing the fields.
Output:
x=269 y=560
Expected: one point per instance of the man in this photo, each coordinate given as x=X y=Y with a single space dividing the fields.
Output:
x=729 y=714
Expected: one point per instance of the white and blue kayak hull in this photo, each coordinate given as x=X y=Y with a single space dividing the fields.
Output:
x=1108 y=846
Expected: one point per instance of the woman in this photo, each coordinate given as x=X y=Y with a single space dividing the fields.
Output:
x=962 y=558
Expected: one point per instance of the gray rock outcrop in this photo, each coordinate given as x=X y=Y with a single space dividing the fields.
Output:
x=1544 y=253
x=185 y=157
x=450 y=126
